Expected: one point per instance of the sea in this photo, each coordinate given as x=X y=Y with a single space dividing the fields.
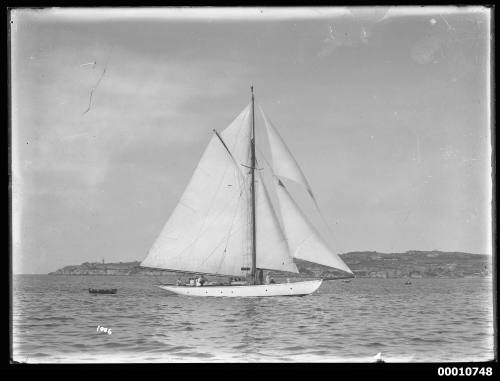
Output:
x=56 y=320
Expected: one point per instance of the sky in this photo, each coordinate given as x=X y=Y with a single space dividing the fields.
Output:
x=385 y=109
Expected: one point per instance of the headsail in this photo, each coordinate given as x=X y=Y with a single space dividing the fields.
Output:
x=303 y=239
x=284 y=164
x=208 y=230
x=272 y=248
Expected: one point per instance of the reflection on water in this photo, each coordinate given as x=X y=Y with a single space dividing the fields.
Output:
x=55 y=319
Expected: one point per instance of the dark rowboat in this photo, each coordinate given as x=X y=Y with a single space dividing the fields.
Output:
x=102 y=290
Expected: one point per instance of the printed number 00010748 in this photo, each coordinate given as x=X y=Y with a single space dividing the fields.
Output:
x=465 y=371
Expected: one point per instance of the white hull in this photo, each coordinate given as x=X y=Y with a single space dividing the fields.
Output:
x=275 y=289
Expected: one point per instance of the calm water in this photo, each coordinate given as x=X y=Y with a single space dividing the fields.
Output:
x=55 y=319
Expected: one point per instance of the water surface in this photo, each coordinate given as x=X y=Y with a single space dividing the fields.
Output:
x=55 y=319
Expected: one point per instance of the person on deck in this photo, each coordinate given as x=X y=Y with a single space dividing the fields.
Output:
x=202 y=280
x=260 y=276
x=268 y=278
x=179 y=282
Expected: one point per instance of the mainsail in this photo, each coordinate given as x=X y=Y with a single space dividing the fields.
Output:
x=208 y=230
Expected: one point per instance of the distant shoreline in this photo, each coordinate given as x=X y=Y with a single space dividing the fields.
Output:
x=367 y=264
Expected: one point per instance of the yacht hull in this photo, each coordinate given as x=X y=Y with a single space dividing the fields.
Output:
x=246 y=291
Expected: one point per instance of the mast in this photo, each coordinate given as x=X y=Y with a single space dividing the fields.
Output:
x=252 y=188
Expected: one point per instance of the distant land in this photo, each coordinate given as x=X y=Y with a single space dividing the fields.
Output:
x=365 y=264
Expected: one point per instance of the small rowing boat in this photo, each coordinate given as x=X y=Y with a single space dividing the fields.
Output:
x=102 y=290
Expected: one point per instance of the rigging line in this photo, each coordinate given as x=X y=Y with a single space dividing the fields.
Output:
x=246 y=166
x=240 y=177
x=230 y=154
x=225 y=170
x=199 y=167
x=225 y=146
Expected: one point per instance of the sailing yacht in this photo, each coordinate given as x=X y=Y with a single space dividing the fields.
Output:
x=226 y=224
